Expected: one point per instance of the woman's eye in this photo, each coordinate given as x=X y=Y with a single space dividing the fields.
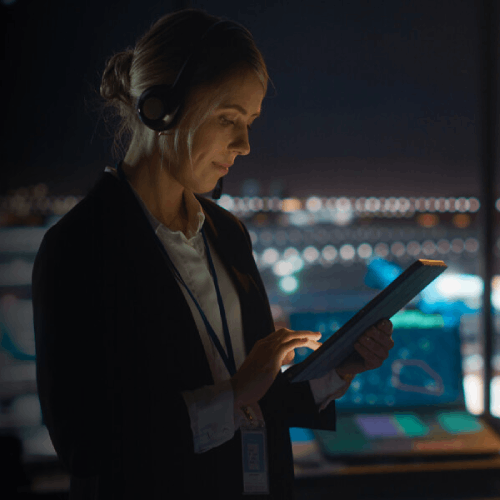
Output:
x=230 y=122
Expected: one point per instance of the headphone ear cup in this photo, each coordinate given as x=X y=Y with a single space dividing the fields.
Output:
x=157 y=107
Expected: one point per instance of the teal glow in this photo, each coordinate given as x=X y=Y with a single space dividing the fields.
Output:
x=417 y=319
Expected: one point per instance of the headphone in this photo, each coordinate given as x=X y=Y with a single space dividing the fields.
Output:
x=160 y=107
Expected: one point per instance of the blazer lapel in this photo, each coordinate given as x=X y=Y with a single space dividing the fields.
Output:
x=159 y=301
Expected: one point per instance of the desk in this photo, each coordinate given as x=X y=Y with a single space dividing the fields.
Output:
x=317 y=478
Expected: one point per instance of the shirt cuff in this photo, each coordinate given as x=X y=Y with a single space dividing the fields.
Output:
x=211 y=410
x=328 y=388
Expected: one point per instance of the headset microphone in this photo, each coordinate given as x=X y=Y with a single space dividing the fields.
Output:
x=217 y=190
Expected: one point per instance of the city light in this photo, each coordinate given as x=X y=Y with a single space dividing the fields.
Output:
x=283 y=268
x=289 y=284
x=310 y=254
x=270 y=256
x=347 y=252
x=329 y=253
x=365 y=251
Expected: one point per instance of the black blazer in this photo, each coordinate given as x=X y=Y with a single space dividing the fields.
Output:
x=116 y=343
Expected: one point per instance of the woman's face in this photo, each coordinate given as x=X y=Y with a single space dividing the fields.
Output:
x=224 y=134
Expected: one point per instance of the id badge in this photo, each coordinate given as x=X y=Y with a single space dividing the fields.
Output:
x=255 y=465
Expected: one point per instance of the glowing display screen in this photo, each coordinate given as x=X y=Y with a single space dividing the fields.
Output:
x=423 y=368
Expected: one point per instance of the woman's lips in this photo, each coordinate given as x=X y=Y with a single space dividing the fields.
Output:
x=222 y=168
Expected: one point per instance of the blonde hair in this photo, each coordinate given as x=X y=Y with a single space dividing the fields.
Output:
x=157 y=59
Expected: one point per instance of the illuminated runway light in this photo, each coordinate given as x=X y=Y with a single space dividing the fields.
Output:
x=291 y=205
x=265 y=204
x=392 y=205
x=428 y=247
x=462 y=204
x=382 y=249
x=256 y=204
x=471 y=245
x=289 y=284
x=276 y=204
x=329 y=253
x=297 y=263
x=461 y=220
x=331 y=203
x=236 y=204
x=310 y=254
x=398 y=249
x=443 y=246
x=270 y=256
x=301 y=218
x=413 y=248
x=404 y=205
x=365 y=251
x=226 y=202
x=290 y=252
x=441 y=205
x=347 y=252
x=373 y=204
x=283 y=268
x=343 y=204
x=475 y=205
x=360 y=204
x=428 y=220
x=457 y=245
x=314 y=204
x=342 y=217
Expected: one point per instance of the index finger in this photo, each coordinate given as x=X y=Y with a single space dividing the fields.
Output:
x=305 y=334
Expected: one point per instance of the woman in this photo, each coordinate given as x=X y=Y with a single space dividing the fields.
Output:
x=158 y=364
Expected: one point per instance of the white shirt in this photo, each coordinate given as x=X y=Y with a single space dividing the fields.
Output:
x=211 y=408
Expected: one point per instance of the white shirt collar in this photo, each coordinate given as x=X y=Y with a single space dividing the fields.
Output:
x=196 y=216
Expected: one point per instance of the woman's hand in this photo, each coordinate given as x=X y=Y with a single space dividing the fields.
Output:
x=258 y=371
x=372 y=350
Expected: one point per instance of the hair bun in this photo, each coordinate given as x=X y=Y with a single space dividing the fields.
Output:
x=115 y=84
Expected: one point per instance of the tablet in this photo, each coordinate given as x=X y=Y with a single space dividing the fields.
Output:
x=386 y=304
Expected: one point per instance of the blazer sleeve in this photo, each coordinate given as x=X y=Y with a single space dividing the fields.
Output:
x=293 y=403
x=69 y=359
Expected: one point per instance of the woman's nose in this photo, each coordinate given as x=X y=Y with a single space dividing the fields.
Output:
x=241 y=144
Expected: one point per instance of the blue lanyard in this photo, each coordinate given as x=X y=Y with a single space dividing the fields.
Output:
x=228 y=359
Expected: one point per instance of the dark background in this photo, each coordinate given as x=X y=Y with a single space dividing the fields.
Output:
x=373 y=98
